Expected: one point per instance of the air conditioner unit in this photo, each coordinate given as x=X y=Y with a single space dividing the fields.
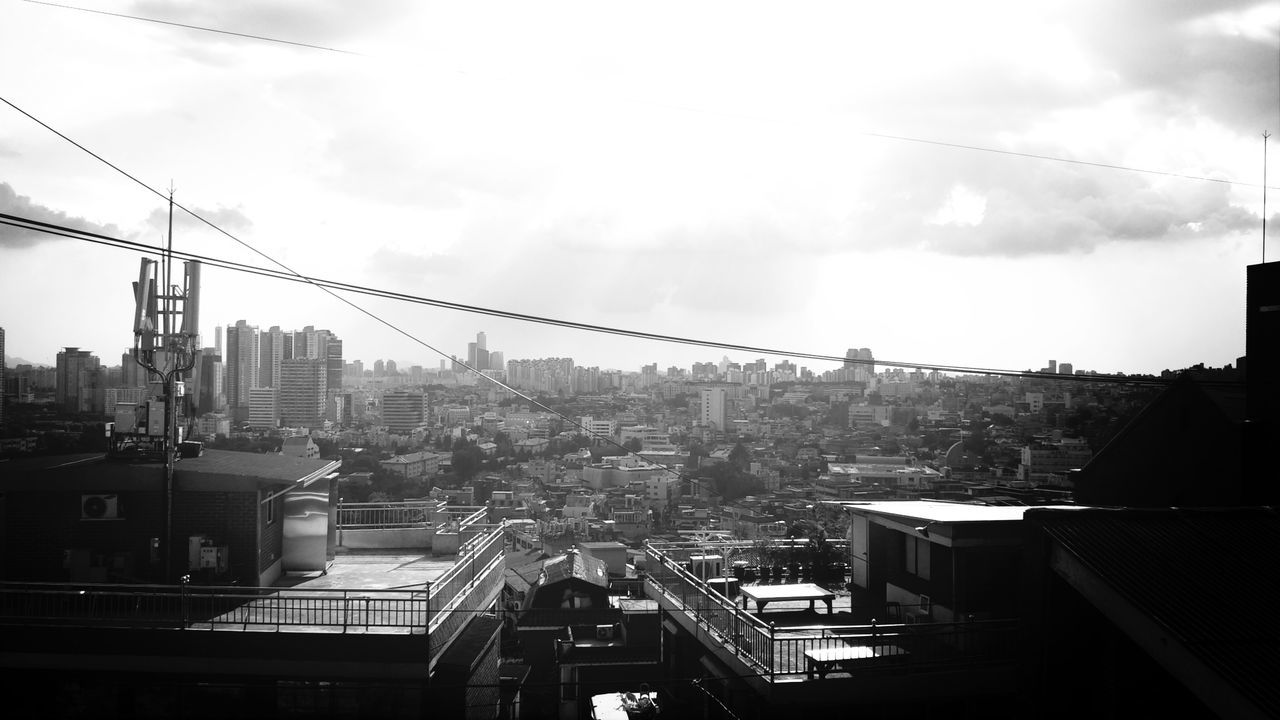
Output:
x=604 y=632
x=99 y=507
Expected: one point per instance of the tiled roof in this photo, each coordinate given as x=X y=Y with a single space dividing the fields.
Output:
x=1209 y=577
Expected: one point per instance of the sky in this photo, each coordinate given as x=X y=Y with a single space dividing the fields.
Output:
x=778 y=175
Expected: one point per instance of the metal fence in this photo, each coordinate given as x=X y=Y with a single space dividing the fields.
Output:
x=775 y=651
x=385 y=515
x=477 y=575
x=442 y=607
x=200 y=608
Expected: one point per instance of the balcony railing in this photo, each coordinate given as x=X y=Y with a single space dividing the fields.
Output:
x=777 y=652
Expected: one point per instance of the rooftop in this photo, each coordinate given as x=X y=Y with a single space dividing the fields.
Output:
x=945 y=512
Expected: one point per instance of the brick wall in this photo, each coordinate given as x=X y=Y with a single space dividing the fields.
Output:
x=40 y=529
x=226 y=518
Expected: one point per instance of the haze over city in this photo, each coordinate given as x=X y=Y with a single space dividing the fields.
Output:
x=720 y=172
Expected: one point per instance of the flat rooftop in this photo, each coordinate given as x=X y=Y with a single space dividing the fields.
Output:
x=373 y=570
x=945 y=512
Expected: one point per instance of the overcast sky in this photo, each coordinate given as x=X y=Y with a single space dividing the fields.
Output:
x=708 y=170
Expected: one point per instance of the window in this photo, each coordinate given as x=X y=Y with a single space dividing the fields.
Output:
x=271 y=509
x=917 y=556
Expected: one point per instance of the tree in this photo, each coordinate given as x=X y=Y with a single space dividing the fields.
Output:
x=634 y=445
x=467 y=461
x=740 y=457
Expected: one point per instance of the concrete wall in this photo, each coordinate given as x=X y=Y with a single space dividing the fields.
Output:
x=417 y=538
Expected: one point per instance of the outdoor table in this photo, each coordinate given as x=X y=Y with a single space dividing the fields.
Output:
x=765 y=594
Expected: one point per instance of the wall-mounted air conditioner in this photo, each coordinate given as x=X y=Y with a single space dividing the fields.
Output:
x=99 y=507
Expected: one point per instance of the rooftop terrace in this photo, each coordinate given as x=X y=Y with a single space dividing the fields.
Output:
x=790 y=642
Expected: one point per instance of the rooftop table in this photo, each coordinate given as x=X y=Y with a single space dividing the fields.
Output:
x=820 y=661
x=765 y=594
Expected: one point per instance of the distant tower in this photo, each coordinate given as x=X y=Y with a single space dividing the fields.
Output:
x=242 y=362
x=271 y=347
x=76 y=380
x=1053 y=366
x=1066 y=369
x=862 y=363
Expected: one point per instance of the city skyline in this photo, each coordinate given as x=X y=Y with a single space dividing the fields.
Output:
x=585 y=163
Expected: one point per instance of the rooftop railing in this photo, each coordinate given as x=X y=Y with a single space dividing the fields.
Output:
x=193 y=607
x=384 y=515
x=439 y=609
x=778 y=652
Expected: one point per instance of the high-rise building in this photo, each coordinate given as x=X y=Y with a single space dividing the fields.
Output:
x=303 y=392
x=861 y=362
x=391 y=368
x=242 y=363
x=714 y=411
x=379 y=368
x=478 y=353
x=263 y=408
x=271 y=346
x=210 y=395
x=1066 y=368
x=403 y=411
x=77 y=381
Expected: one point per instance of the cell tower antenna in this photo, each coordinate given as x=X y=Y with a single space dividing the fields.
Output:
x=168 y=349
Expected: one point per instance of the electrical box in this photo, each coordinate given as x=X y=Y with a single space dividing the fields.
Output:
x=126 y=417
x=194 y=544
x=155 y=418
x=214 y=557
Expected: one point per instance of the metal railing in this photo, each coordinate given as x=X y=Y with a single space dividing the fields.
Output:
x=750 y=637
x=382 y=515
x=475 y=576
x=441 y=609
x=775 y=651
x=206 y=608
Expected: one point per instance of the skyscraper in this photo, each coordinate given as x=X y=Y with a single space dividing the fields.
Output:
x=864 y=369
x=303 y=392
x=77 y=381
x=271 y=345
x=210 y=394
x=242 y=362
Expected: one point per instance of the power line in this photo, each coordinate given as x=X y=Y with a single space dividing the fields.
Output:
x=201 y=28
x=72 y=233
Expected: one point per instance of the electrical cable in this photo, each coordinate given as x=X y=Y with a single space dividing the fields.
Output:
x=87 y=236
x=202 y=28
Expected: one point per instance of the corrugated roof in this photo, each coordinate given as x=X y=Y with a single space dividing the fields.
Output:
x=1209 y=577
x=575 y=565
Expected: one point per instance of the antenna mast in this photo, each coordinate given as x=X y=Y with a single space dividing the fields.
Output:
x=1265 y=135
x=168 y=350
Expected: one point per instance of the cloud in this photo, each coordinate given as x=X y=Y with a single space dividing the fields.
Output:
x=229 y=219
x=11 y=203
x=1068 y=211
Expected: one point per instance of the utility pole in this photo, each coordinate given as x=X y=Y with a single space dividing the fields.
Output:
x=1265 y=135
